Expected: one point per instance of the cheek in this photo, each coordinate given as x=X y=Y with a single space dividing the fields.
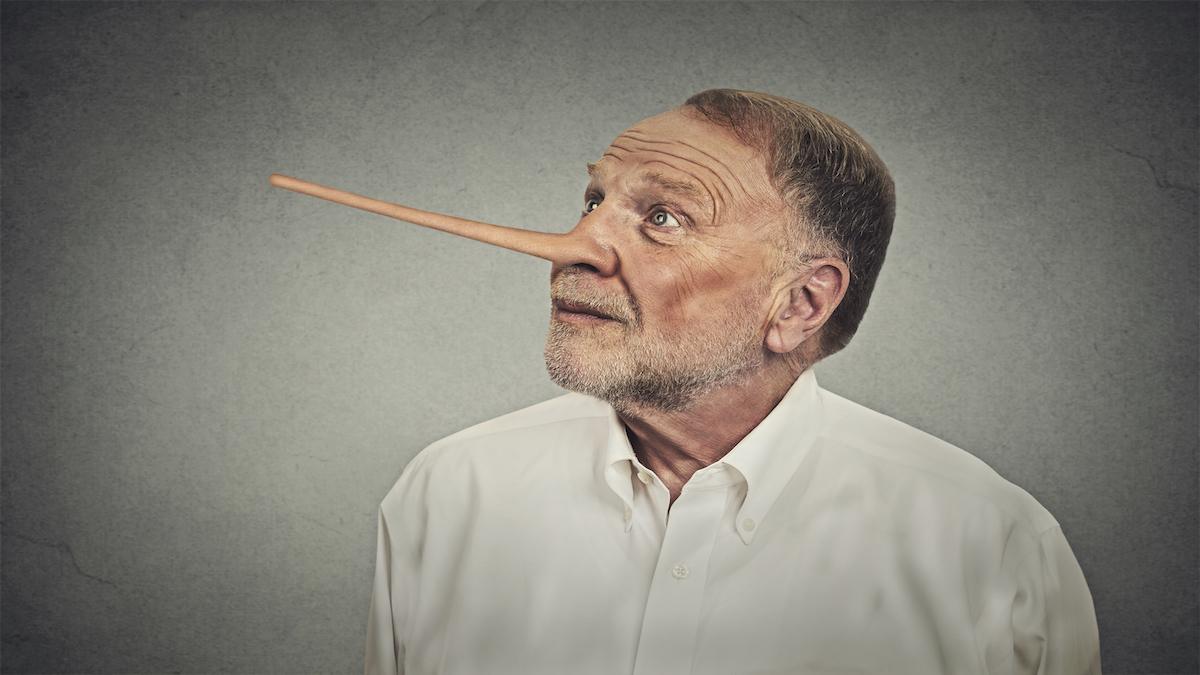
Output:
x=692 y=285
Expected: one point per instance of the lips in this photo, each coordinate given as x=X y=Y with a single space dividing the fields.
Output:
x=568 y=309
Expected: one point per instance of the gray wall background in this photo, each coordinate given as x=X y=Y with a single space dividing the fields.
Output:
x=209 y=383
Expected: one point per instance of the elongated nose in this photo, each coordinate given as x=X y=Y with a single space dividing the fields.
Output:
x=577 y=247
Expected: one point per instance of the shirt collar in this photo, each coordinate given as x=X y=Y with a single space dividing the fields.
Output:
x=771 y=453
x=617 y=464
x=766 y=458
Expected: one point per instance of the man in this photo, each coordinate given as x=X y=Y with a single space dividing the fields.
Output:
x=701 y=505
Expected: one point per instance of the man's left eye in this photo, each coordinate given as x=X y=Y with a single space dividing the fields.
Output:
x=664 y=219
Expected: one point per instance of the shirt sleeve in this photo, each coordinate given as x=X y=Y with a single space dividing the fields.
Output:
x=1053 y=619
x=385 y=653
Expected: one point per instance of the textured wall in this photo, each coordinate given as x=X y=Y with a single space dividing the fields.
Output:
x=209 y=384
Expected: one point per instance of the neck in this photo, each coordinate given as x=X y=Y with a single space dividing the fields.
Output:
x=676 y=444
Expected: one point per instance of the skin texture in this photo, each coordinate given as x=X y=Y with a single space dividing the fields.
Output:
x=689 y=293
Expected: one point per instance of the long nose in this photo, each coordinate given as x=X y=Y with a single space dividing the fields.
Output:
x=575 y=247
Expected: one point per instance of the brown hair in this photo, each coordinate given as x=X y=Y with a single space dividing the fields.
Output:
x=842 y=194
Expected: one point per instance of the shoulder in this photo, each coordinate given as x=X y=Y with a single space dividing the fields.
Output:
x=962 y=526
x=907 y=460
x=509 y=447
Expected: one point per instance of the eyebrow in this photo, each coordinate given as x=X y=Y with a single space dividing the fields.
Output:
x=683 y=187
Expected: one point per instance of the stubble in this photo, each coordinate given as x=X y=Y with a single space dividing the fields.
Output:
x=633 y=366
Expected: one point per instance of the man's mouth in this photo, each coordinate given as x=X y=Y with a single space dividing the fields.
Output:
x=574 y=311
x=576 y=301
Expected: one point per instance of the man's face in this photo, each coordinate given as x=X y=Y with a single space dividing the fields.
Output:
x=693 y=226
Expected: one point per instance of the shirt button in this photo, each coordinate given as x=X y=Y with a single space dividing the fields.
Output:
x=645 y=477
x=628 y=513
x=679 y=571
x=747 y=524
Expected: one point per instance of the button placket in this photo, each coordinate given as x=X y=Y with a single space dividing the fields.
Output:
x=672 y=616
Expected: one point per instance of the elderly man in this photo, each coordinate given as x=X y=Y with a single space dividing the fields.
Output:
x=700 y=505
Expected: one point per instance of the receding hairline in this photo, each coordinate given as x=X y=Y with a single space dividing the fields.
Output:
x=839 y=189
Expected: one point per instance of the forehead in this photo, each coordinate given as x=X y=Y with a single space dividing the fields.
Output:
x=692 y=153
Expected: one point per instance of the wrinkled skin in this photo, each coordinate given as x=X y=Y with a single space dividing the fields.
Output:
x=679 y=305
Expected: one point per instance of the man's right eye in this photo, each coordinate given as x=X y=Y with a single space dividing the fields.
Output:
x=590 y=204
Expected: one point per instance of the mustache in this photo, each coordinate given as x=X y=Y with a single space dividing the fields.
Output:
x=570 y=288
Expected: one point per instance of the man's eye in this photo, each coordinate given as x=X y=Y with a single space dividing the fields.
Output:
x=590 y=205
x=664 y=219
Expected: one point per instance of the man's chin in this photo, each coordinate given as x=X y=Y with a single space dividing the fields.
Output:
x=577 y=366
x=626 y=393
x=566 y=370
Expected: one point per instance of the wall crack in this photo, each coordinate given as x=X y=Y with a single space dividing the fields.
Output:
x=1160 y=182
x=65 y=549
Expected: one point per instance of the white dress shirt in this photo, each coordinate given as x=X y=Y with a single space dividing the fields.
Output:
x=832 y=539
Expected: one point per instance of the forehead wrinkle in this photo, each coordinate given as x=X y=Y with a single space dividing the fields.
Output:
x=722 y=194
x=726 y=170
x=617 y=146
x=710 y=197
x=717 y=191
x=713 y=194
x=735 y=175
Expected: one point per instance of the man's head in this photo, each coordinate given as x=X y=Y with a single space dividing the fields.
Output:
x=689 y=220
x=841 y=195
x=714 y=268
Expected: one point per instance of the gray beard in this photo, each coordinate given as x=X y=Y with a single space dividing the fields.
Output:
x=668 y=374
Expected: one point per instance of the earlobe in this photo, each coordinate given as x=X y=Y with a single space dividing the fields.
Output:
x=806 y=303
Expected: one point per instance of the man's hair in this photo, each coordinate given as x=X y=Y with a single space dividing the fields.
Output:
x=841 y=194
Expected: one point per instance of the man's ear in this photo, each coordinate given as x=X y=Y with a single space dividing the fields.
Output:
x=806 y=302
